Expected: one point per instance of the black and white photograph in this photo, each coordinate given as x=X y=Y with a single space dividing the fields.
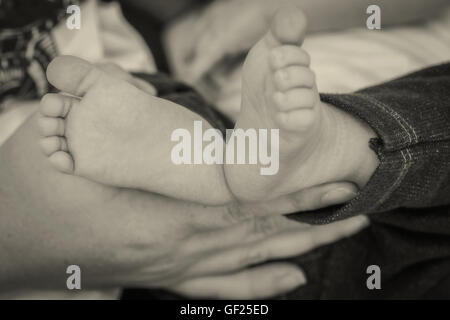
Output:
x=230 y=150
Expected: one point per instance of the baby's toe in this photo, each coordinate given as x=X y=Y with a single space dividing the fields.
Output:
x=294 y=77
x=51 y=126
x=288 y=26
x=299 y=98
x=55 y=105
x=296 y=120
x=74 y=75
x=287 y=55
x=50 y=145
x=62 y=161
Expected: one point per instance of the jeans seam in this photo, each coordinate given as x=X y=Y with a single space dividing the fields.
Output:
x=398 y=181
x=397 y=117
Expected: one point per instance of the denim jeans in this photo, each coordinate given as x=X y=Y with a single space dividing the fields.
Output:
x=407 y=199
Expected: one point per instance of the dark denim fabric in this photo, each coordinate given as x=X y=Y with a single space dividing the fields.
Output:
x=407 y=198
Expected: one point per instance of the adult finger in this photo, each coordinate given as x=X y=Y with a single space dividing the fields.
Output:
x=307 y=199
x=211 y=41
x=256 y=283
x=285 y=244
x=323 y=196
x=208 y=51
x=233 y=234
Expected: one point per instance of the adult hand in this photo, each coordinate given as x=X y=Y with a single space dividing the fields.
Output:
x=220 y=272
x=220 y=30
x=130 y=238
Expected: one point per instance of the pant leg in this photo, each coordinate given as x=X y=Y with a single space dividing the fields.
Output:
x=407 y=198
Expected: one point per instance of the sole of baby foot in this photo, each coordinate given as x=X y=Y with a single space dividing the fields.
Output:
x=279 y=92
x=109 y=131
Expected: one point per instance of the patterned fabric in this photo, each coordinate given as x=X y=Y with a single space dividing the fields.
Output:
x=26 y=45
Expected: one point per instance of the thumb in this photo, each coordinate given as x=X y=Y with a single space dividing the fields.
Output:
x=312 y=198
x=325 y=195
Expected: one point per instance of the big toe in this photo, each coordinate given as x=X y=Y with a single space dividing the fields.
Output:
x=288 y=26
x=72 y=75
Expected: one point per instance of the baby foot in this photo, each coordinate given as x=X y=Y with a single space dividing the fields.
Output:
x=279 y=92
x=111 y=132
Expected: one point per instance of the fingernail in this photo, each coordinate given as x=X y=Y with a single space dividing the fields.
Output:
x=292 y=280
x=338 y=195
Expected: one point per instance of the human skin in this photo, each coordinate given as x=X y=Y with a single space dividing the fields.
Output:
x=227 y=28
x=130 y=238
